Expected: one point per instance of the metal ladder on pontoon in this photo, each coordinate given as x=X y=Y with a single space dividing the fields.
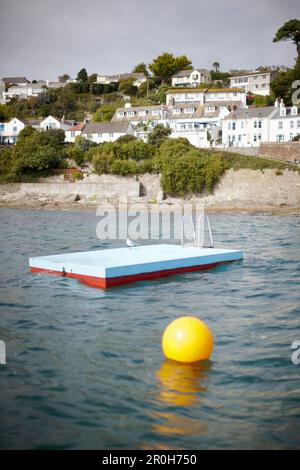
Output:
x=198 y=240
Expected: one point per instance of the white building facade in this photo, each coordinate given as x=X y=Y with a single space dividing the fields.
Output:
x=191 y=78
x=201 y=95
x=100 y=132
x=251 y=127
x=257 y=82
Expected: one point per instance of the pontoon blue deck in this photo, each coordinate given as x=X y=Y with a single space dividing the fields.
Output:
x=110 y=267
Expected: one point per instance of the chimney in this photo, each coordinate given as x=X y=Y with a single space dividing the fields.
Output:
x=63 y=119
x=276 y=104
x=128 y=105
x=281 y=105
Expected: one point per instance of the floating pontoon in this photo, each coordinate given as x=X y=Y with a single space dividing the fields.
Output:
x=111 y=267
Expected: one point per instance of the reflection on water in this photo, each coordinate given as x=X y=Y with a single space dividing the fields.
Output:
x=180 y=386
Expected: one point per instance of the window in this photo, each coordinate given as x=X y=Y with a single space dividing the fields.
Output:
x=255 y=124
x=255 y=138
x=233 y=126
x=189 y=110
x=280 y=124
x=239 y=138
x=121 y=114
x=155 y=112
x=130 y=113
x=111 y=134
x=142 y=113
x=298 y=124
x=229 y=125
x=279 y=138
x=259 y=124
x=15 y=129
x=242 y=124
x=177 y=111
x=72 y=133
x=100 y=135
x=291 y=124
x=210 y=109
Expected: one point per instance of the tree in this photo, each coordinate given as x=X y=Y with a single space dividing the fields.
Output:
x=159 y=134
x=82 y=75
x=64 y=78
x=141 y=68
x=127 y=86
x=163 y=67
x=37 y=152
x=216 y=66
x=182 y=63
x=166 y=65
x=105 y=112
x=281 y=85
x=290 y=31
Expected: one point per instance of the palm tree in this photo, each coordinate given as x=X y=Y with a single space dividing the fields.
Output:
x=216 y=66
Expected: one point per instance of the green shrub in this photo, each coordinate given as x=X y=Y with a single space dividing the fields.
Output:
x=124 y=167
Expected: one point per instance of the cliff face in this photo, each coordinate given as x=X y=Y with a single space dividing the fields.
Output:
x=249 y=190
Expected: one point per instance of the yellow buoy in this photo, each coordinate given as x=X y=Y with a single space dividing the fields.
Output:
x=187 y=339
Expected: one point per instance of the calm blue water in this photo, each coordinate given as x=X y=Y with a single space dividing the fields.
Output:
x=85 y=367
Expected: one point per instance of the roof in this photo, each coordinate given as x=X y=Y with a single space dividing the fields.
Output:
x=205 y=90
x=15 y=80
x=185 y=73
x=166 y=111
x=251 y=113
x=105 y=127
x=77 y=127
x=255 y=72
x=288 y=115
x=123 y=76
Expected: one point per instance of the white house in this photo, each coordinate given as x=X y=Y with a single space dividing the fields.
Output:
x=257 y=82
x=51 y=122
x=24 y=91
x=9 y=131
x=191 y=78
x=284 y=123
x=201 y=95
x=100 y=132
x=250 y=127
x=108 y=79
x=74 y=131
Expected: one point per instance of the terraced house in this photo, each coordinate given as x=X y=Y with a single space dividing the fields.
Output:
x=199 y=123
x=253 y=126
x=202 y=95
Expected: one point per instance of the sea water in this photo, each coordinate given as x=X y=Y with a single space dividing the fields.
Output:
x=84 y=367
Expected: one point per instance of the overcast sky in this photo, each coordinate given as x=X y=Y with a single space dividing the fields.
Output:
x=41 y=39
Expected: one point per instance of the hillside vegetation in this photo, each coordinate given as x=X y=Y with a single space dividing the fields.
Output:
x=184 y=168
